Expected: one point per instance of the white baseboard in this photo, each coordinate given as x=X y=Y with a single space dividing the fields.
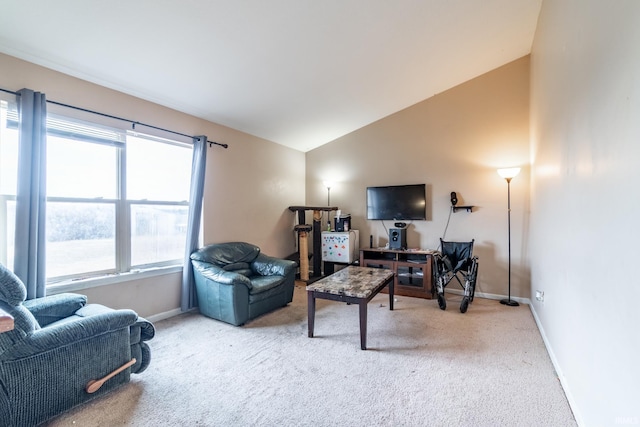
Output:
x=165 y=315
x=489 y=296
x=556 y=366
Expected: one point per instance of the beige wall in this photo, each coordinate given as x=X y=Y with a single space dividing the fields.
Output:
x=585 y=127
x=453 y=141
x=248 y=186
x=149 y=297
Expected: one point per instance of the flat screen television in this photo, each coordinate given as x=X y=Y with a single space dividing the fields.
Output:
x=397 y=202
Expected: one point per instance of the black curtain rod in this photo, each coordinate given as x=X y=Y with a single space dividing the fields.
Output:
x=9 y=91
x=133 y=122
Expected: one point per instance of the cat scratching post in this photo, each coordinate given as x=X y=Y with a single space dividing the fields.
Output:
x=317 y=236
x=303 y=250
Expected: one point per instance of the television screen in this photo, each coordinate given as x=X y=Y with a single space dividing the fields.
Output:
x=397 y=202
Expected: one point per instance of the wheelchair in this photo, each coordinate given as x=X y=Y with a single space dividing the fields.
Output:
x=456 y=260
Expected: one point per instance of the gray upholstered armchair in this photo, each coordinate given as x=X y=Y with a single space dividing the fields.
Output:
x=235 y=282
x=59 y=351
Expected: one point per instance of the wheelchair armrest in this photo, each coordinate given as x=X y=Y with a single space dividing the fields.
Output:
x=444 y=261
x=467 y=263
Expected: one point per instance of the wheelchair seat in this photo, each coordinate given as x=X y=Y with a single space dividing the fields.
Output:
x=456 y=260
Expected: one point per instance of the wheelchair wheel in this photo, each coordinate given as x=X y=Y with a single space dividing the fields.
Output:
x=442 y=303
x=464 y=305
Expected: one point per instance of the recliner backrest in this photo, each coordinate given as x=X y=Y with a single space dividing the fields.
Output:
x=12 y=290
x=12 y=294
x=223 y=254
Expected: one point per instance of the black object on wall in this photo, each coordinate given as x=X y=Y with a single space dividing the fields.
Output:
x=454 y=203
x=397 y=238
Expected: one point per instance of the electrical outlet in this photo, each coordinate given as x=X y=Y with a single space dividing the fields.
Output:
x=540 y=296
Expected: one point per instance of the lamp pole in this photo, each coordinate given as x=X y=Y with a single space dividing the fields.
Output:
x=508 y=175
x=328 y=184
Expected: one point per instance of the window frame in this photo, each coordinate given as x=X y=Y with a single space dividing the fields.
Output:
x=123 y=268
x=8 y=110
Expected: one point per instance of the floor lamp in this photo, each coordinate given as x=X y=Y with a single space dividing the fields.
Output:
x=508 y=174
x=328 y=184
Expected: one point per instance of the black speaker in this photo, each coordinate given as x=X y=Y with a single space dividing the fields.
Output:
x=397 y=238
x=454 y=198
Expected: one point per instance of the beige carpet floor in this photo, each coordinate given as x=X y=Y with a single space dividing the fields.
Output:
x=424 y=367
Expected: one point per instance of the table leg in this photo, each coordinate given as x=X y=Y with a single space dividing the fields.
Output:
x=311 y=311
x=391 y=289
x=363 y=324
x=329 y=268
x=317 y=243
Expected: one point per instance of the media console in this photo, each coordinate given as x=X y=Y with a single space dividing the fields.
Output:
x=413 y=272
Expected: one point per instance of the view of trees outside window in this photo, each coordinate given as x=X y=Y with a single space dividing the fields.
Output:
x=112 y=206
x=158 y=180
x=157 y=233
x=81 y=238
x=82 y=193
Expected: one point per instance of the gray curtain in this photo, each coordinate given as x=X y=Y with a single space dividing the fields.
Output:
x=188 y=298
x=29 y=262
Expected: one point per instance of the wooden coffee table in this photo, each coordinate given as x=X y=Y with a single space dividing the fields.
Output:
x=353 y=285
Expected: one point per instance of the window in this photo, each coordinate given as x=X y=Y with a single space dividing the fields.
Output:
x=82 y=201
x=117 y=201
x=8 y=180
x=158 y=178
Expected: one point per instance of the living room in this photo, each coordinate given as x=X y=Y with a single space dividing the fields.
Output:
x=565 y=114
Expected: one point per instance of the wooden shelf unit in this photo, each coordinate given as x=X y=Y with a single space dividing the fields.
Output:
x=413 y=272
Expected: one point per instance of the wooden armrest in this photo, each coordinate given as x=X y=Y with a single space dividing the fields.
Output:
x=6 y=321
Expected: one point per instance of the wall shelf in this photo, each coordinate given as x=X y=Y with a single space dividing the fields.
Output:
x=467 y=208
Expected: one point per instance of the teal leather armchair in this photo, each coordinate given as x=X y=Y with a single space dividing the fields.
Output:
x=235 y=282
x=58 y=346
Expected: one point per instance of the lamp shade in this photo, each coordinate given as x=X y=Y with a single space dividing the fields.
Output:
x=328 y=184
x=508 y=173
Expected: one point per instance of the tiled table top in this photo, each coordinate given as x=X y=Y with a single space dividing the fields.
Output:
x=352 y=281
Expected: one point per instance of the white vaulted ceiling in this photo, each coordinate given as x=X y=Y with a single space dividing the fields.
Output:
x=297 y=72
